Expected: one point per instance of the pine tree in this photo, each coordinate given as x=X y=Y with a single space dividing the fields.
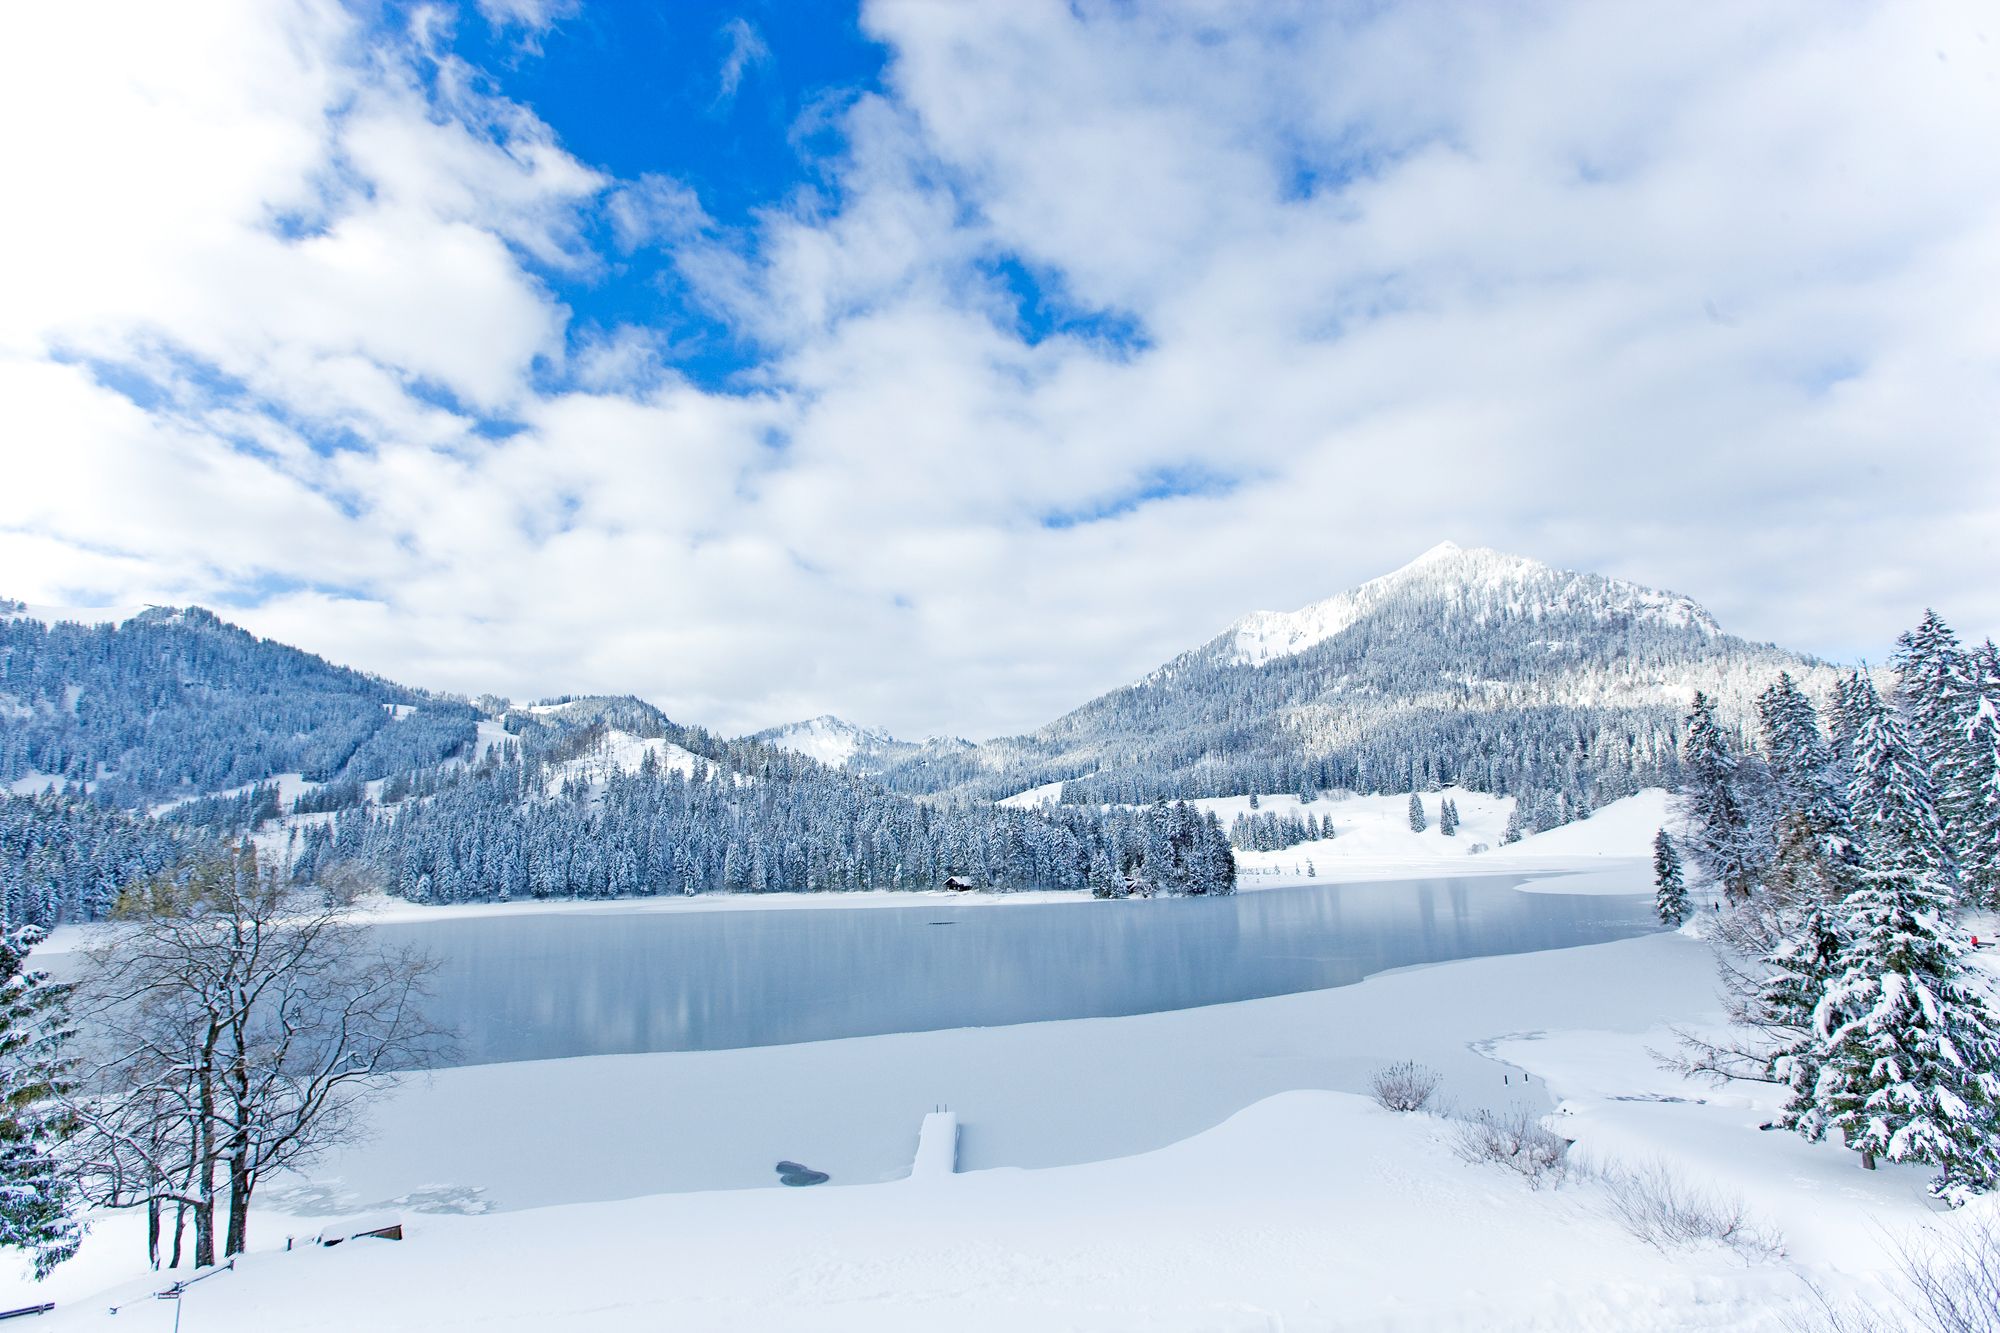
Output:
x=1447 y=817
x=37 y=1199
x=1516 y=819
x=1803 y=921
x=1910 y=1055
x=1980 y=867
x=1851 y=707
x=1417 y=821
x=1722 y=841
x=1939 y=700
x=1671 y=900
x=1803 y=776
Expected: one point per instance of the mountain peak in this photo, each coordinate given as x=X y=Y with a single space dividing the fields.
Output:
x=1442 y=551
x=831 y=740
x=1476 y=582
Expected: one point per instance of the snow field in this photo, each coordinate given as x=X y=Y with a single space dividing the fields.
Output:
x=1610 y=852
x=1308 y=1210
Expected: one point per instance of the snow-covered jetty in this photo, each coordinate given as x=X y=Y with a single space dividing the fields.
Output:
x=937 y=1146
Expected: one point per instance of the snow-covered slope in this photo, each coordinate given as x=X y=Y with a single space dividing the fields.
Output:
x=622 y=752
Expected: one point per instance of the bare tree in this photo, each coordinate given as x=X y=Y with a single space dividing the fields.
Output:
x=233 y=1026
x=1773 y=951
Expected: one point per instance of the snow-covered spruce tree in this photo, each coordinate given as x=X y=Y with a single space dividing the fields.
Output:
x=1417 y=821
x=1722 y=840
x=1805 y=780
x=1670 y=899
x=1447 y=817
x=1800 y=925
x=1909 y=1054
x=1851 y=706
x=1979 y=870
x=38 y=1202
x=1938 y=698
x=1516 y=819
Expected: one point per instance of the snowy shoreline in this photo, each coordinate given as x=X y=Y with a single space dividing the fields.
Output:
x=1208 y=1168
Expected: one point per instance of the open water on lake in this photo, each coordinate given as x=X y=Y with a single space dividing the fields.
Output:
x=540 y=986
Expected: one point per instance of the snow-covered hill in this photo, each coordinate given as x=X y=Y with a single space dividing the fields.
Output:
x=622 y=752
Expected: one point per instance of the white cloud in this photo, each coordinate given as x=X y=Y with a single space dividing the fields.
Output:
x=746 y=51
x=1696 y=296
x=534 y=15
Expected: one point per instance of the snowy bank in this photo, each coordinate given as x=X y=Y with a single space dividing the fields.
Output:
x=1161 y=1202
x=1308 y=1210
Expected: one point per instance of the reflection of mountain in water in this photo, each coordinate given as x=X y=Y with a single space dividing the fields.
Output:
x=545 y=986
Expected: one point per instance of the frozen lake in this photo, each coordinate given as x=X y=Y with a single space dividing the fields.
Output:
x=555 y=984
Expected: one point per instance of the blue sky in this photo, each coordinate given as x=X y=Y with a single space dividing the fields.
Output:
x=739 y=103
x=944 y=365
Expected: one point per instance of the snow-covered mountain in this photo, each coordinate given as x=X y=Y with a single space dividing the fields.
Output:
x=838 y=743
x=1477 y=585
x=1465 y=665
x=831 y=740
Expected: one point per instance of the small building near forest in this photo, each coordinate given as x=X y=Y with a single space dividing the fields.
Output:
x=959 y=884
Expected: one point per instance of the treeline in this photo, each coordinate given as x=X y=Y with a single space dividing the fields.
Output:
x=1846 y=851
x=1269 y=831
x=496 y=833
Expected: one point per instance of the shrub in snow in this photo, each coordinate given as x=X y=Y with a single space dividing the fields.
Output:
x=1957 y=1279
x=1515 y=1139
x=1668 y=1211
x=1404 y=1086
x=1953 y=1287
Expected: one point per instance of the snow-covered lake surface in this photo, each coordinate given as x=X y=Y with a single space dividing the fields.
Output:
x=557 y=985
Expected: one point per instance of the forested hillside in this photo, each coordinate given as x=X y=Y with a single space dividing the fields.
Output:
x=175 y=703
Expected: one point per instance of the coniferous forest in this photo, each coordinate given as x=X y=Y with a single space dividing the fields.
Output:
x=1844 y=848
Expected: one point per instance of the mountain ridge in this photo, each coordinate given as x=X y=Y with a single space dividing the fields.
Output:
x=1370 y=688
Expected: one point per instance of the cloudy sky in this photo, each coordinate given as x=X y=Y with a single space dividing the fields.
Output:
x=942 y=365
